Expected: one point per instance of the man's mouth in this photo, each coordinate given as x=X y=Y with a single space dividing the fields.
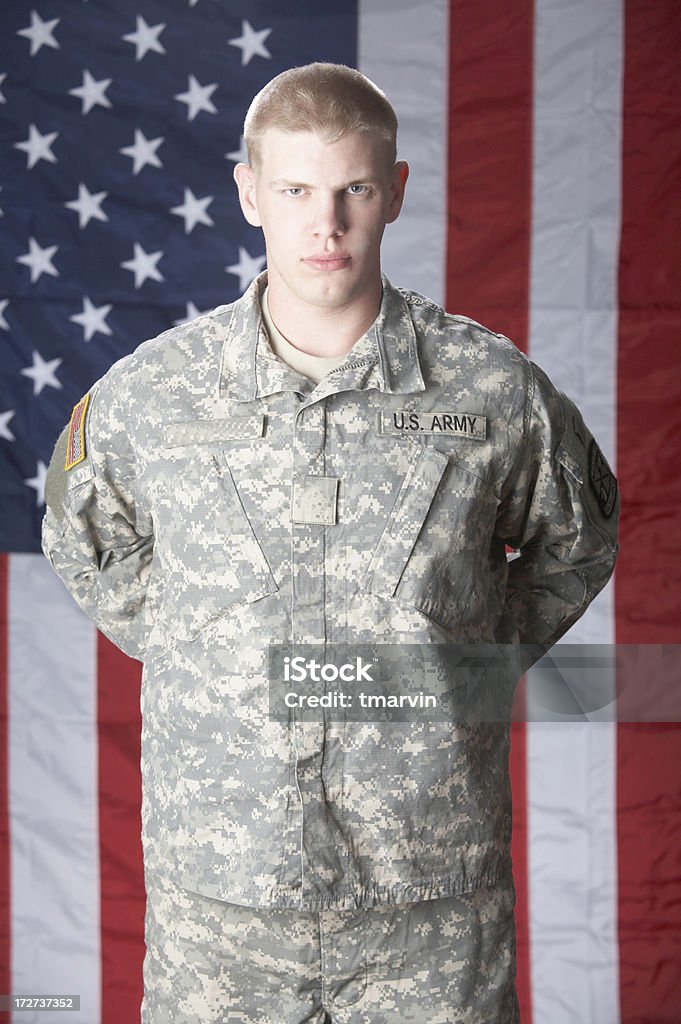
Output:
x=328 y=261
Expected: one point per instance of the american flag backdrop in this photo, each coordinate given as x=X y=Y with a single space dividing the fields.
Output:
x=545 y=201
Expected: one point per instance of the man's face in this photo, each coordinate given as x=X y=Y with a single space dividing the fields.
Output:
x=323 y=207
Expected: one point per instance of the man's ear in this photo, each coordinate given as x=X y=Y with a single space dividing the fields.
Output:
x=244 y=177
x=398 y=184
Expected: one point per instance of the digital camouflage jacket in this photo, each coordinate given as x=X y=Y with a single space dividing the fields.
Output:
x=216 y=503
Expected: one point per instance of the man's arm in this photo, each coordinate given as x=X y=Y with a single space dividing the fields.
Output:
x=560 y=509
x=96 y=533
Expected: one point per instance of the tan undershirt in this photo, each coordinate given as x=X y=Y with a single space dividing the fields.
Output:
x=314 y=367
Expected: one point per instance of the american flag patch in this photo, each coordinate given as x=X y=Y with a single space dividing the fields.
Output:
x=75 y=446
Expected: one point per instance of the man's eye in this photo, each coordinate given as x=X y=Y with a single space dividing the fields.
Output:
x=357 y=190
x=294 y=191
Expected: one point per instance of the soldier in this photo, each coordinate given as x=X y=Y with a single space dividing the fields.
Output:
x=326 y=461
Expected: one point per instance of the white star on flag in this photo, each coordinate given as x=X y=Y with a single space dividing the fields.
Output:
x=251 y=43
x=92 y=92
x=88 y=205
x=3 y=306
x=37 y=482
x=42 y=373
x=143 y=265
x=143 y=152
x=37 y=146
x=247 y=269
x=145 y=38
x=5 y=432
x=39 y=260
x=40 y=33
x=198 y=98
x=239 y=156
x=93 y=318
x=192 y=313
x=194 y=211
x=2 y=97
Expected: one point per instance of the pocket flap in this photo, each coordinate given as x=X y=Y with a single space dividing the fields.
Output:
x=234 y=428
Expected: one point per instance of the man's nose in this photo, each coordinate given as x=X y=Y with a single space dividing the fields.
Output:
x=329 y=220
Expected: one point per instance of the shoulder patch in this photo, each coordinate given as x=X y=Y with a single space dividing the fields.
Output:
x=75 y=444
x=602 y=480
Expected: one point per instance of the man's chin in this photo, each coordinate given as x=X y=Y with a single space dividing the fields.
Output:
x=337 y=290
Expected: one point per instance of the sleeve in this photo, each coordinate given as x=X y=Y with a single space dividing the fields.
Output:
x=96 y=532
x=560 y=509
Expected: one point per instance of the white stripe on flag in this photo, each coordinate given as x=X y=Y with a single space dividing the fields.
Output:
x=404 y=49
x=52 y=793
x=573 y=335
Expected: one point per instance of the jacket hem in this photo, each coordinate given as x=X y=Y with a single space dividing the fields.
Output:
x=370 y=895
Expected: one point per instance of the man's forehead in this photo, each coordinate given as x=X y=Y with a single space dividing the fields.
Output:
x=279 y=147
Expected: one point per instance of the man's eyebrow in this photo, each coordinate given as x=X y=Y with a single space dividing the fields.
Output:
x=286 y=183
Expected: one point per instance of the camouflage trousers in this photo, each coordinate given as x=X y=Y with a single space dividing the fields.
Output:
x=442 y=961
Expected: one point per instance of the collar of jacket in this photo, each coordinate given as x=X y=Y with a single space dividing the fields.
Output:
x=386 y=357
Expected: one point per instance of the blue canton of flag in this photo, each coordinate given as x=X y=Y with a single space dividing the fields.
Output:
x=121 y=125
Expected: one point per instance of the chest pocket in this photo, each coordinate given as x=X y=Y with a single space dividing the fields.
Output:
x=434 y=551
x=209 y=555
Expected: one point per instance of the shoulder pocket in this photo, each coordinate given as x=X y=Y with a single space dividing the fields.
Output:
x=590 y=474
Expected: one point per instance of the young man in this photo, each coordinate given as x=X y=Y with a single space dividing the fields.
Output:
x=327 y=461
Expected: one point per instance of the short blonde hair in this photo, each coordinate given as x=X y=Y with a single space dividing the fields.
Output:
x=331 y=99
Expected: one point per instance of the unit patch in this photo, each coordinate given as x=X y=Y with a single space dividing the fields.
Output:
x=462 y=423
x=602 y=480
x=75 y=444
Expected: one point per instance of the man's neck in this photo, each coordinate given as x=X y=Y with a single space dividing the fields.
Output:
x=319 y=331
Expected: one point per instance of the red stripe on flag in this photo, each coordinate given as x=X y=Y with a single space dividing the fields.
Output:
x=490 y=164
x=5 y=876
x=649 y=568
x=488 y=253
x=122 y=875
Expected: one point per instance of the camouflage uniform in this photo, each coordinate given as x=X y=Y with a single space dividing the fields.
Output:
x=220 y=502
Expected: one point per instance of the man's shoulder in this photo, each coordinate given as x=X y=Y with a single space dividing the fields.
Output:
x=170 y=356
x=162 y=374
x=186 y=343
x=460 y=340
